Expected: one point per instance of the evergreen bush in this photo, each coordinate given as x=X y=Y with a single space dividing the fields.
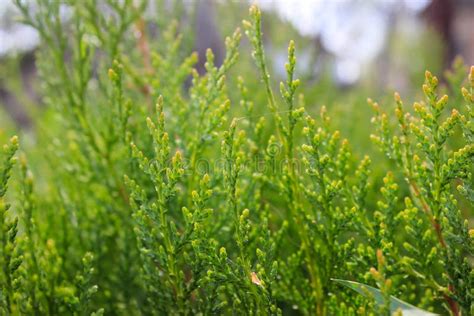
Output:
x=154 y=190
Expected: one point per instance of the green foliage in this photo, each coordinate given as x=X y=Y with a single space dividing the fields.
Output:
x=217 y=201
x=10 y=258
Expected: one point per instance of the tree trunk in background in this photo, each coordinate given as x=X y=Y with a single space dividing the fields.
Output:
x=440 y=14
x=207 y=35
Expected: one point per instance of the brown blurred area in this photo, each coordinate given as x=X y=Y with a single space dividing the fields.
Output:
x=453 y=20
x=463 y=29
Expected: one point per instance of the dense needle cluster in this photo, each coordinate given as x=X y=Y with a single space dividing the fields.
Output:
x=159 y=191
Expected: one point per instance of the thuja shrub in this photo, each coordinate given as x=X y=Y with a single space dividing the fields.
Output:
x=152 y=189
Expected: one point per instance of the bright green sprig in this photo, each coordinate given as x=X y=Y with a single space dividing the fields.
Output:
x=253 y=30
x=429 y=169
x=10 y=260
x=85 y=286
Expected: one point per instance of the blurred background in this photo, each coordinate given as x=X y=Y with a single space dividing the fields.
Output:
x=343 y=46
